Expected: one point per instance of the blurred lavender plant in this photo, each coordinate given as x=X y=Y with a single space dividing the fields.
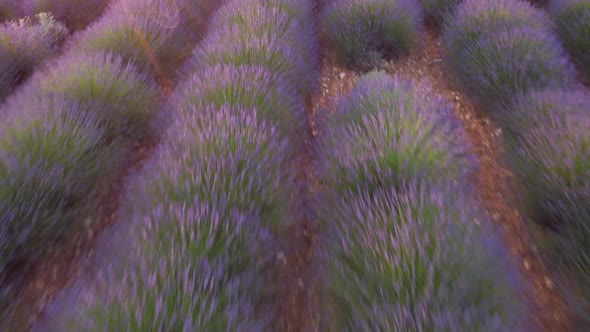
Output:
x=222 y=154
x=52 y=156
x=362 y=32
x=418 y=259
x=572 y=22
x=251 y=87
x=24 y=44
x=239 y=46
x=261 y=19
x=550 y=155
x=389 y=130
x=146 y=32
x=497 y=67
x=473 y=19
x=187 y=266
x=123 y=99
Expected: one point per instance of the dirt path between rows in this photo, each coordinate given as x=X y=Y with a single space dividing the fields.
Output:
x=493 y=181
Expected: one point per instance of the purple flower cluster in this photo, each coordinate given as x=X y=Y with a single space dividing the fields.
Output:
x=500 y=49
x=148 y=33
x=406 y=248
x=52 y=158
x=572 y=22
x=65 y=133
x=124 y=99
x=418 y=259
x=187 y=267
x=206 y=205
x=243 y=46
x=389 y=130
x=24 y=45
x=252 y=87
x=505 y=54
x=362 y=32
x=549 y=151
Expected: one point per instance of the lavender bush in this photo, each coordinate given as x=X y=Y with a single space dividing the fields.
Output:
x=124 y=100
x=192 y=267
x=147 y=33
x=572 y=22
x=499 y=66
x=389 y=130
x=222 y=154
x=551 y=153
x=24 y=45
x=362 y=32
x=298 y=10
x=237 y=46
x=473 y=19
x=421 y=259
x=261 y=20
x=52 y=155
x=251 y=87
x=76 y=14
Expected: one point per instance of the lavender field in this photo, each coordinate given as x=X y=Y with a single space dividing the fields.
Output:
x=294 y=165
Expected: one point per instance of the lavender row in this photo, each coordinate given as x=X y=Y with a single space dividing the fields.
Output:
x=209 y=201
x=255 y=32
x=572 y=24
x=197 y=225
x=407 y=248
x=24 y=45
x=497 y=50
x=548 y=147
x=361 y=33
x=66 y=132
x=506 y=55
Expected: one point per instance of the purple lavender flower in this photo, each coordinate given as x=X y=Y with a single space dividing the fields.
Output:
x=222 y=153
x=124 y=100
x=261 y=19
x=52 y=157
x=550 y=153
x=389 y=130
x=187 y=266
x=250 y=87
x=572 y=22
x=238 y=46
x=418 y=259
x=497 y=67
x=473 y=19
x=361 y=32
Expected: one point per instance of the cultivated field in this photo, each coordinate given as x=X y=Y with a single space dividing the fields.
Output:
x=294 y=165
